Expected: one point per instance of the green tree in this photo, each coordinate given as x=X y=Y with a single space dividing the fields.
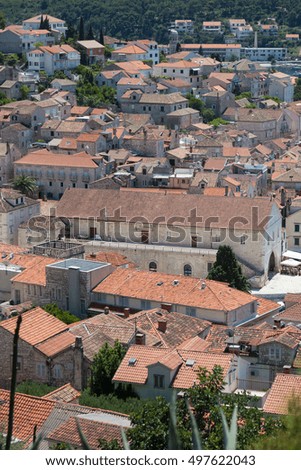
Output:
x=101 y=37
x=25 y=184
x=297 y=90
x=151 y=423
x=81 y=29
x=195 y=103
x=90 y=34
x=227 y=269
x=24 y=92
x=208 y=115
x=41 y=22
x=104 y=366
x=62 y=315
x=11 y=59
x=2 y=20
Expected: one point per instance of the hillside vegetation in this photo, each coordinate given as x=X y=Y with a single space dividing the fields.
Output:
x=151 y=18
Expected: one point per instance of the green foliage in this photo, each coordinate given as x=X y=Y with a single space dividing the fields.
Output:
x=24 y=92
x=218 y=122
x=104 y=366
x=274 y=98
x=25 y=184
x=245 y=94
x=227 y=269
x=36 y=389
x=195 y=103
x=3 y=99
x=208 y=115
x=2 y=20
x=88 y=93
x=112 y=402
x=81 y=29
x=153 y=426
x=297 y=90
x=62 y=315
x=288 y=436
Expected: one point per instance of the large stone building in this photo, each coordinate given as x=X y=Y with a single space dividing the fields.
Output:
x=172 y=230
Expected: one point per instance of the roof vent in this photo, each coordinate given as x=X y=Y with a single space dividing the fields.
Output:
x=175 y=282
x=203 y=285
x=132 y=361
x=160 y=283
x=190 y=362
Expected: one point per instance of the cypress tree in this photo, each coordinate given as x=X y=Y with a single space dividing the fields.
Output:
x=90 y=34
x=227 y=269
x=101 y=37
x=42 y=22
x=81 y=30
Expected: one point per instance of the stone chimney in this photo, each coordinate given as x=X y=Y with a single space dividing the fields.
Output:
x=140 y=338
x=78 y=363
x=287 y=369
x=162 y=325
x=126 y=312
x=166 y=306
x=106 y=310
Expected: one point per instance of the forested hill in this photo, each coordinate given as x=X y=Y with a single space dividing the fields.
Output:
x=151 y=18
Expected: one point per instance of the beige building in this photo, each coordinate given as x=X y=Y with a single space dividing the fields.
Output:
x=54 y=173
x=15 y=208
x=174 y=222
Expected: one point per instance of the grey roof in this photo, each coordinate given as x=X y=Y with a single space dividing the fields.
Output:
x=154 y=98
x=82 y=264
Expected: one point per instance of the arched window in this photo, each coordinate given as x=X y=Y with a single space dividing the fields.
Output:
x=187 y=270
x=152 y=266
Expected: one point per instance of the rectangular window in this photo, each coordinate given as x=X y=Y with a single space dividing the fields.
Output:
x=41 y=370
x=158 y=381
x=297 y=227
x=297 y=241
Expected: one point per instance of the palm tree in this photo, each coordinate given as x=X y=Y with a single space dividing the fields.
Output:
x=25 y=184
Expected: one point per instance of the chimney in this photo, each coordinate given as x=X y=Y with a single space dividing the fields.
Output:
x=226 y=190
x=140 y=338
x=277 y=323
x=126 y=312
x=283 y=197
x=166 y=307
x=106 y=310
x=287 y=369
x=162 y=325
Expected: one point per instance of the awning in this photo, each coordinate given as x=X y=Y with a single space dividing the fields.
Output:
x=293 y=263
x=292 y=255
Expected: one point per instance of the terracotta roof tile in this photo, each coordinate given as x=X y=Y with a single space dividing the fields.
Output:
x=28 y=412
x=134 y=366
x=178 y=327
x=92 y=430
x=284 y=388
x=55 y=344
x=37 y=326
x=65 y=394
x=84 y=203
x=154 y=286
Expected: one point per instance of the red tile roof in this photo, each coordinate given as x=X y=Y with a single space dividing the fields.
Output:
x=155 y=286
x=65 y=394
x=174 y=359
x=28 y=412
x=37 y=326
x=92 y=430
x=284 y=388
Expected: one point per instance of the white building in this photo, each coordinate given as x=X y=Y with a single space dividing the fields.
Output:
x=212 y=26
x=264 y=53
x=52 y=58
x=55 y=24
x=244 y=32
x=183 y=26
x=236 y=23
x=15 y=208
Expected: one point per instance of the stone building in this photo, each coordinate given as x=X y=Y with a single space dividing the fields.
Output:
x=158 y=222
